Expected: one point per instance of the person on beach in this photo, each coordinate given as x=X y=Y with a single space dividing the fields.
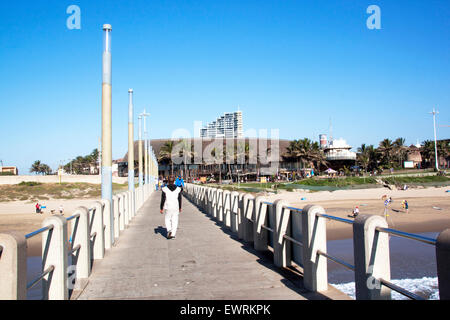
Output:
x=61 y=210
x=38 y=208
x=405 y=205
x=171 y=206
x=355 y=212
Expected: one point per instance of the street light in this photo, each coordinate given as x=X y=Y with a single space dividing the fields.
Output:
x=106 y=164
x=144 y=115
x=140 y=150
x=130 y=142
x=435 y=141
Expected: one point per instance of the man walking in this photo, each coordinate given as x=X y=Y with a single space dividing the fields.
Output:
x=171 y=206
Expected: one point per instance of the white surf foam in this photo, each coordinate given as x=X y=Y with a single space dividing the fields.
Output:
x=425 y=287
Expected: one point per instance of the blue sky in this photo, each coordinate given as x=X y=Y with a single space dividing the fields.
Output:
x=289 y=65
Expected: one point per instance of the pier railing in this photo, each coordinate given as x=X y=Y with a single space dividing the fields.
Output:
x=299 y=236
x=68 y=253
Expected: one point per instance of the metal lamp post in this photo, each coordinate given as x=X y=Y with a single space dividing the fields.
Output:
x=106 y=169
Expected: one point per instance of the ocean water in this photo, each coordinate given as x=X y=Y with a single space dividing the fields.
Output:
x=413 y=266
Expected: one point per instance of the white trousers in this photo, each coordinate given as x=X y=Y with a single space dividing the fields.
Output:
x=171 y=217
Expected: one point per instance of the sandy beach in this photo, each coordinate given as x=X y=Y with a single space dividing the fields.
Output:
x=21 y=216
x=429 y=210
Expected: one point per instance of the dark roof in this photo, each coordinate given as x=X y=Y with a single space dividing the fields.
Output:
x=158 y=143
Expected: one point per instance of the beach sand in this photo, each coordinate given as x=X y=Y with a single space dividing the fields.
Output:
x=21 y=216
x=422 y=215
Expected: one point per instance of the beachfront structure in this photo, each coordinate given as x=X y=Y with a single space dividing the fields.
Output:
x=338 y=154
x=338 y=149
x=9 y=170
x=227 y=126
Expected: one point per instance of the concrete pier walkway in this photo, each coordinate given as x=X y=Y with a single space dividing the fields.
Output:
x=204 y=262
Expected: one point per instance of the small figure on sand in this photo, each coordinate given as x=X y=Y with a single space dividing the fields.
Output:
x=38 y=208
x=355 y=212
x=386 y=204
x=61 y=209
x=405 y=205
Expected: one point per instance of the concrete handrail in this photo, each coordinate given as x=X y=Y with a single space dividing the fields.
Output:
x=93 y=231
x=299 y=235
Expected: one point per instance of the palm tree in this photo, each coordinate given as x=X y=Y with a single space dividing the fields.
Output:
x=367 y=157
x=294 y=151
x=45 y=169
x=428 y=150
x=399 y=150
x=316 y=156
x=363 y=157
x=385 y=149
x=165 y=154
x=443 y=148
x=187 y=151
x=36 y=167
x=39 y=167
x=306 y=152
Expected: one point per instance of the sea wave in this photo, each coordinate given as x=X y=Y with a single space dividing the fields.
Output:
x=425 y=287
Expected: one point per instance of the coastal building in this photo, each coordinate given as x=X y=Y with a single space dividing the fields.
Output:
x=414 y=156
x=227 y=126
x=338 y=154
x=9 y=170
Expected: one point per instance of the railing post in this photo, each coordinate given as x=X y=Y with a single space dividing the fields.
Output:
x=108 y=223
x=116 y=217
x=130 y=205
x=240 y=216
x=98 y=248
x=315 y=276
x=281 y=247
x=248 y=214
x=260 y=236
x=234 y=211
x=214 y=202
x=81 y=236
x=371 y=256
x=126 y=217
x=133 y=204
x=55 y=253
x=220 y=205
x=203 y=199
x=138 y=203
x=443 y=263
x=212 y=193
x=121 y=212
x=208 y=200
x=226 y=208
x=13 y=266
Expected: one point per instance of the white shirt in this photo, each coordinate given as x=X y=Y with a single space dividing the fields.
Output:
x=171 y=202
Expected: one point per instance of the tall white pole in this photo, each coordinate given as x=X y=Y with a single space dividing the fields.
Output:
x=140 y=151
x=144 y=115
x=435 y=140
x=130 y=142
x=106 y=122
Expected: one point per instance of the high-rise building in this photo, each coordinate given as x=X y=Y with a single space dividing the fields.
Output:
x=227 y=126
